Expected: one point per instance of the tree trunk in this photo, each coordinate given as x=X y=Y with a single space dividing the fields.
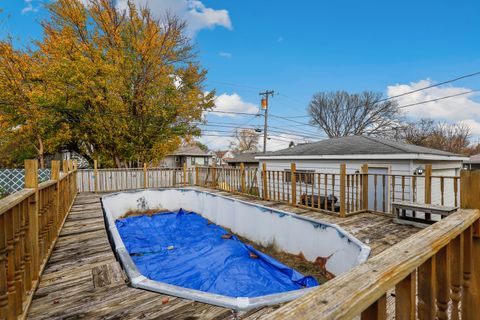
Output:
x=40 y=153
x=118 y=163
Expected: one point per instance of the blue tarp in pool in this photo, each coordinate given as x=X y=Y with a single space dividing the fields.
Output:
x=184 y=249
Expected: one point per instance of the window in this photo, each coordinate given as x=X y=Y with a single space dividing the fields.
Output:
x=198 y=161
x=304 y=176
x=177 y=159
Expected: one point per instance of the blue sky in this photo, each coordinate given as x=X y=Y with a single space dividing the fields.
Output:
x=302 y=47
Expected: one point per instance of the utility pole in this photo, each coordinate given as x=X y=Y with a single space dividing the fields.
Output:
x=265 y=96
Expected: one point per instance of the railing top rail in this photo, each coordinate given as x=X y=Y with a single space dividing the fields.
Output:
x=15 y=198
x=46 y=184
x=351 y=293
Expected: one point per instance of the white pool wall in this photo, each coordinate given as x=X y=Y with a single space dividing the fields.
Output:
x=289 y=232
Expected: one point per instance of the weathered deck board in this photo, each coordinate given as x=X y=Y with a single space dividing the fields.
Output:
x=79 y=280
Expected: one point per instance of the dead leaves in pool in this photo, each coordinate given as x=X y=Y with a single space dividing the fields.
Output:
x=227 y=236
x=149 y=212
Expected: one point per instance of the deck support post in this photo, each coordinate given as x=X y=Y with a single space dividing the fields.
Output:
x=95 y=175
x=55 y=167
x=264 y=182
x=145 y=176
x=197 y=176
x=242 y=177
x=343 y=176
x=214 y=176
x=67 y=182
x=428 y=188
x=364 y=172
x=31 y=182
x=470 y=199
x=293 y=179
x=185 y=180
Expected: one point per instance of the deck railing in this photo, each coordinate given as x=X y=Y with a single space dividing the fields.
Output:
x=434 y=274
x=341 y=192
x=30 y=222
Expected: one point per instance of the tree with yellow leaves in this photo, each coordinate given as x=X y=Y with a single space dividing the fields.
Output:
x=118 y=86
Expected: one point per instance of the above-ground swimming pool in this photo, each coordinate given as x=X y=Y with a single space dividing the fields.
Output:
x=189 y=253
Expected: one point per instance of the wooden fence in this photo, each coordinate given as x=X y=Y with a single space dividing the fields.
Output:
x=338 y=193
x=30 y=222
x=434 y=274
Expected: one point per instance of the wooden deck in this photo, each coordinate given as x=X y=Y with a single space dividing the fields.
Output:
x=83 y=280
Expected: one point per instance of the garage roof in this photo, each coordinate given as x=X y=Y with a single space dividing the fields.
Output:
x=358 y=146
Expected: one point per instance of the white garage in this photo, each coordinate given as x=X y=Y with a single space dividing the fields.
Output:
x=384 y=157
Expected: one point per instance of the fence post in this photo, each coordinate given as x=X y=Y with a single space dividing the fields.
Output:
x=476 y=261
x=31 y=182
x=264 y=182
x=470 y=199
x=242 y=177
x=214 y=176
x=293 y=179
x=66 y=199
x=95 y=175
x=197 y=182
x=145 y=176
x=364 y=186
x=184 y=174
x=428 y=184
x=56 y=176
x=343 y=176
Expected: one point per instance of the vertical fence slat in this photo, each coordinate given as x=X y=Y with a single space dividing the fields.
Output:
x=343 y=171
x=377 y=311
x=293 y=179
x=426 y=290
x=405 y=298
x=442 y=282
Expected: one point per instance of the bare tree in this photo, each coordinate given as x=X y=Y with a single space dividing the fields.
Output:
x=442 y=136
x=343 y=114
x=245 y=140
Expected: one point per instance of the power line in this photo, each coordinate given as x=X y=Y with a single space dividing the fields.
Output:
x=233 y=112
x=432 y=86
x=441 y=98
x=412 y=91
x=229 y=125
x=236 y=85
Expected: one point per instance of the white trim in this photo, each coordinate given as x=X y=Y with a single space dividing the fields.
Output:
x=410 y=156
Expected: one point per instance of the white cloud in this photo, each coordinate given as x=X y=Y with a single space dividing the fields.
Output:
x=216 y=140
x=226 y=55
x=194 y=12
x=28 y=7
x=455 y=108
x=461 y=108
x=232 y=103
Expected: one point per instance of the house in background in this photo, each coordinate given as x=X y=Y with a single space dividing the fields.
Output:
x=247 y=158
x=384 y=157
x=473 y=163
x=192 y=155
x=222 y=157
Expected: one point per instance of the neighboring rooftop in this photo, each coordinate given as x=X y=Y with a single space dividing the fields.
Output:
x=246 y=157
x=474 y=159
x=357 y=145
x=190 y=150
x=221 y=153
